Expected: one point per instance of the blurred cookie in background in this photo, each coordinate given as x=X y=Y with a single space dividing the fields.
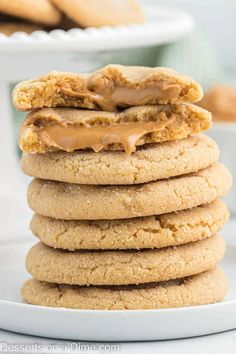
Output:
x=11 y=24
x=220 y=100
x=9 y=28
x=98 y=13
x=67 y=24
x=30 y=15
x=39 y=12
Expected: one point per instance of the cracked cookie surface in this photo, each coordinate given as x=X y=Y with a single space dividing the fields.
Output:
x=123 y=267
x=149 y=163
x=138 y=233
x=204 y=288
x=66 y=201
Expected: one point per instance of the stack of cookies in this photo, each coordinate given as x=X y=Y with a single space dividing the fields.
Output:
x=125 y=190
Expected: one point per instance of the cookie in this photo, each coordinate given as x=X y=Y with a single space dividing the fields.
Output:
x=61 y=200
x=123 y=267
x=107 y=88
x=66 y=129
x=40 y=11
x=147 y=232
x=220 y=100
x=148 y=163
x=95 y=13
x=9 y=28
x=204 y=288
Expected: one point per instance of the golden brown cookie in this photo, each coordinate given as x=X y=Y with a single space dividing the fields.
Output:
x=123 y=267
x=221 y=101
x=107 y=88
x=149 y=163
x=9 y=28
x=147 y=232
x=61 y=200
x=66 y=129
x=39 y=11
x=204 y=288
x=94 y=13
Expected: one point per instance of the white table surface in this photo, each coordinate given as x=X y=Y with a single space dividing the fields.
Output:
x=213 y=344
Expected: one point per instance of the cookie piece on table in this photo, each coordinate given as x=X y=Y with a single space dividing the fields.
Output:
x=97 y=13
x=52 y=129
x=107 y=89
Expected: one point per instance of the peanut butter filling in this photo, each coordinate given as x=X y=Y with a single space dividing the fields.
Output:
x=126 y=96
x=141 y=97
x=70 y=138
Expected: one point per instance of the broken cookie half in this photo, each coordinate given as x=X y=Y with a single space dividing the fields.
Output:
x=108 y=89
x=70 y=129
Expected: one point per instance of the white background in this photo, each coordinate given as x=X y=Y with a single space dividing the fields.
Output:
x=217 y=18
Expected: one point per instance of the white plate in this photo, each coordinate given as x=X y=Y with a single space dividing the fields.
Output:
x=163 y=25
x=88 y=325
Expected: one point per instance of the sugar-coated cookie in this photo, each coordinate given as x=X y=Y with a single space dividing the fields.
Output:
x=61 y=200
x=38 y=11
x=147 y=232
x=123 y=267
x=204 y=288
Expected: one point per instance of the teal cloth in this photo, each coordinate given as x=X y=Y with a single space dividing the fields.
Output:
x=194 y=55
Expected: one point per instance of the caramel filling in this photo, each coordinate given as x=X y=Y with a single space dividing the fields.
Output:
x=70 y=138
x=125 y=96
x=141 y=97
